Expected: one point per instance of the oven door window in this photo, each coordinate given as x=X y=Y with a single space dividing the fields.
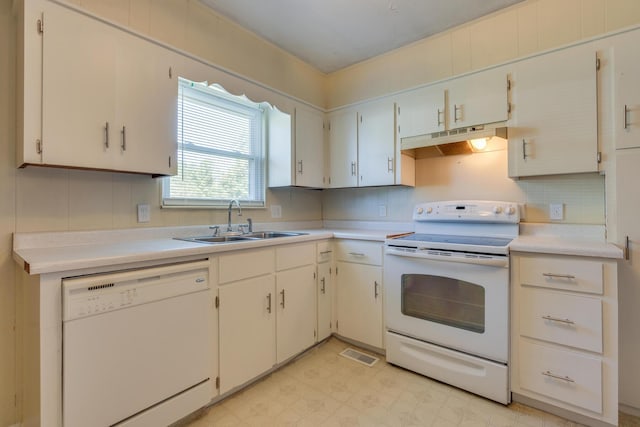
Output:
x=444 y=300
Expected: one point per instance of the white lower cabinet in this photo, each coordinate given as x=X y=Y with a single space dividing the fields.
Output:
x=326 y=270
x=565 y=335
x=359 y=291
x=267 y=310
x=296 y=300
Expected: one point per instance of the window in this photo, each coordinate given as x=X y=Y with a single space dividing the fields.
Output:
x=220 y=149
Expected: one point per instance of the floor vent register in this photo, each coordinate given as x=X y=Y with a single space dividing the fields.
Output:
x=359 y=357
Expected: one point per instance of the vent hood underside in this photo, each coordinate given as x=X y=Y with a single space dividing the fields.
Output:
x=453 y=142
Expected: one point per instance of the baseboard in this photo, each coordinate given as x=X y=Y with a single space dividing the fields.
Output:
x=561 y=412
x=631 y=410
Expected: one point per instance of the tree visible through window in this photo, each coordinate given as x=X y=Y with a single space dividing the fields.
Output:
x=220 y=149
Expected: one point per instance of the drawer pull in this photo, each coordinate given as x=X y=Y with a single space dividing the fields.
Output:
x=556 y=319
x=557 y=377
x=356 y=254
x=559 y=276
x=269 y=303
x=325 y=252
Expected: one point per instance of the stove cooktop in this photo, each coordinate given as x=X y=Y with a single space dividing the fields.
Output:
x=459 y=240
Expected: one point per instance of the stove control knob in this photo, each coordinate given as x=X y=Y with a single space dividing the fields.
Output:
x=420 y=210
x=429 y=210
x=510 y=210
x=497 y=209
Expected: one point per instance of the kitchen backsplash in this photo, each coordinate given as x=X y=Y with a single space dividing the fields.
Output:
x=476 y=176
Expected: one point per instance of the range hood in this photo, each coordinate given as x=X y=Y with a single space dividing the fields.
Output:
x=455 y=141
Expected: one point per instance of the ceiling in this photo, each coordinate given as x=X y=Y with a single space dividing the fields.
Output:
x=333 y=34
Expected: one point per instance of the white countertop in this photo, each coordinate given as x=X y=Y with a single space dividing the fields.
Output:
x=41 y=253
x=561 y=245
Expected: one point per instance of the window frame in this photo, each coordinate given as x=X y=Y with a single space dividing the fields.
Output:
x=217 y=96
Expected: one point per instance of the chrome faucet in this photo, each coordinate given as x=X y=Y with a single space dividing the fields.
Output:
x=229 y=213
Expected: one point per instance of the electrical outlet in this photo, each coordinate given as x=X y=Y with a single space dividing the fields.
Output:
x=556 y=211
x=144 y=213
x=382 y=210
x=276 y=211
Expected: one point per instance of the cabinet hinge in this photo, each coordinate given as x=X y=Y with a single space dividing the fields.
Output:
x=398 y=110
x=336 y=271
x=38 y=146
x=40 y=26
x=314 y=333
x=599 y=156
x=508 y=84
x=314 y=274
x=217 y=382
x=360 y=119
x=398 y=128
x=169 y=161
x=170 y=73
x=337 y=324
x=217 y=302
x=597 y=63
x=329 y=180
x=508 y=107
x=330 y=325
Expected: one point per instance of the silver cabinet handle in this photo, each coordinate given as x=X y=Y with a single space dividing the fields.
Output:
x=325 y=252
x=300 y=167
x=626 y=111
x=353 y=168
x=124 y=138
x=106 y=134
x=457 y=108
x=439 y=114
x=559 y=276
x=389 y=164
x=558 y=377
x=626 y=248
x=375 y=289
x=282 y=302
x=322 y=289
x=356 y=254
x=269 y=303
x=524 y=149
x=557 y=319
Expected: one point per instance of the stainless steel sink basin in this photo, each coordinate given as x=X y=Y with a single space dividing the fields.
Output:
x=255 y=235
x=272 y=234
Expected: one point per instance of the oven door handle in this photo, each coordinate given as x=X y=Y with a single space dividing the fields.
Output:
x=502 y=261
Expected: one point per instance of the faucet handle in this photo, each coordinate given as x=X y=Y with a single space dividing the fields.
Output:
x=244 y=228
x=250 y=224
x=216 y=229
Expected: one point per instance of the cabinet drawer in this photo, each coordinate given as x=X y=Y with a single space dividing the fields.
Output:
x=360 y=251
x=570 y=274
x=291 y=256
x=571 y=320
x=564 y=375
x=324 y=251
x=246 y=264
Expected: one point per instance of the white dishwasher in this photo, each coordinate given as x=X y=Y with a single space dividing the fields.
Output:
x=136 y=346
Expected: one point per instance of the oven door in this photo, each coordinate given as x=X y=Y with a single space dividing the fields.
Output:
x=449 y=302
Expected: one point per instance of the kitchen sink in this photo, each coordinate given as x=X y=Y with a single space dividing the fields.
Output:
x=247 y=237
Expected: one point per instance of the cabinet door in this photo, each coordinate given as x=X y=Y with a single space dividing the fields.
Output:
x=421 y=111
x=478 y=99
x=359 y=289
x=325 y=287
x=247 y=330
x=296 y=308
x=627 y=90
x=78 y=90
x=628 y=206
x=376 y=144
x=555 y=114
x=343 y=149
x=309 y=131
x=145 y=131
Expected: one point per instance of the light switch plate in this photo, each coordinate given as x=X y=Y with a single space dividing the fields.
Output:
x=382 y=210
x=144 y=213
x=276 y=211
x=556 y=211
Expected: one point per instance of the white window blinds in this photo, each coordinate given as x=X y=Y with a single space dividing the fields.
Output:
x=220 y=149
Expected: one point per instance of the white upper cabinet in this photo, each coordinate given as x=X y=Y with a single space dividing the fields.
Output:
x=108 y=99
x=309 y=146
x=376 y=144
x=555 y=123
x=422 y=111
x=297 y=161
x=478 y=99
x=343 y=149
x=627 y=90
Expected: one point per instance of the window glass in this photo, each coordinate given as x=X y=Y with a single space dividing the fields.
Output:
x=220 y=149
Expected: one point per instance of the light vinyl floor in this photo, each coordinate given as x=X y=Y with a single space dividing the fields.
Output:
x=323 y=388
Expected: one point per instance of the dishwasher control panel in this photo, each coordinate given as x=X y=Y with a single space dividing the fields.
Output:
x=100 y=293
